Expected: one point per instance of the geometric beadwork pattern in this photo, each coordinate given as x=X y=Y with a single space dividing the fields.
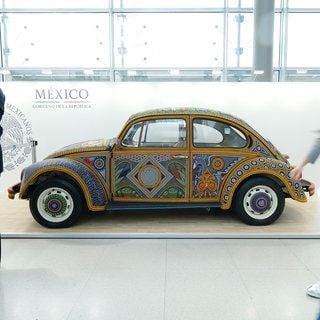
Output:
x=157 y=176
x=98 y=163
x=208 y=172
x=258 y=148
x=261 y=164
x=96 y=191
x=149 y=176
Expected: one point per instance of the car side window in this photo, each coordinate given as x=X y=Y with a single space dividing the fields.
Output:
x=207 y=133
x=159 y=133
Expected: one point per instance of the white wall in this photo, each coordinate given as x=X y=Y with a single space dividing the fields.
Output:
x=286 y=113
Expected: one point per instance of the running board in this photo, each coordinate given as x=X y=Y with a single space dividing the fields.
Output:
x=148 y=206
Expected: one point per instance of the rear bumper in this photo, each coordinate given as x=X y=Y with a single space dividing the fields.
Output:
x=13 y=190
x=308 y=187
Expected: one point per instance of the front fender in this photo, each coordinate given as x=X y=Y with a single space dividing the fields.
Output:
x=277 y=170
x=89 y=183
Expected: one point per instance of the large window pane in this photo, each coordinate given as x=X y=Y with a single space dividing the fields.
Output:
x=169 y=4
x=56 y=40
x=152 y=40
x=304 y=4
x=241 y=3
x=240 y=40
x=303 y=47
x=247 y=4
x=169 y=40
x=276 y=40
x=50 y=4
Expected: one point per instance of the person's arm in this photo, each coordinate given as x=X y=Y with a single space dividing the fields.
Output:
x=296 y=173
x=311 y=157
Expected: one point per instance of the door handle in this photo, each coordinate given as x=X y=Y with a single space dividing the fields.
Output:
x=180 y=156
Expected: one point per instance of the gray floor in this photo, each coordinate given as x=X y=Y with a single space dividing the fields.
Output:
x=167 y=279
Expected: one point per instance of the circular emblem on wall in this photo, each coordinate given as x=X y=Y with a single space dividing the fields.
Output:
x=16 y=140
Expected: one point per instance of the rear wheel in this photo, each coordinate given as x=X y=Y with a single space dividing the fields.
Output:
x=259 y=201
x=56 y=204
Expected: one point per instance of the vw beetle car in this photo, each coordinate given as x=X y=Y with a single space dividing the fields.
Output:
x=166 y=158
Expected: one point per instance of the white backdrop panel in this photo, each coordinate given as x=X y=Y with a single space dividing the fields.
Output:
x=58 y=114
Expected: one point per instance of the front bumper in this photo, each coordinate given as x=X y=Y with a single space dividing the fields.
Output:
x=13 y=190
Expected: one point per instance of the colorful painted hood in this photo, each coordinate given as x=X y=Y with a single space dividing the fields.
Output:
x=85 y=146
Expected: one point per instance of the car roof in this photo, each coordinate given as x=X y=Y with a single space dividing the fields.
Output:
x=190 y=111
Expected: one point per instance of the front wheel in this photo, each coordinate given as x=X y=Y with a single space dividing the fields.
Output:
x=259 y=201
x=56 y=204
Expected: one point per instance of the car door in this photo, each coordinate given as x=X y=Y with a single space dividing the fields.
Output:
x=151 y=162
x=217 y=146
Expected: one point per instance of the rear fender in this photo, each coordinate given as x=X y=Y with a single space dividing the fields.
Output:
x=272 y=168
x=92 y=188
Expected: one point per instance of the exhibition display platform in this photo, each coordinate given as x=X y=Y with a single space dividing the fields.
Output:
x=299 y=220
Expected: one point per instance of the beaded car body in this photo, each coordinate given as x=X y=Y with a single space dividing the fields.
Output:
x=166 y=158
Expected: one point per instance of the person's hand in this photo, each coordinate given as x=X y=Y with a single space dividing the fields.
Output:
x=296 y=173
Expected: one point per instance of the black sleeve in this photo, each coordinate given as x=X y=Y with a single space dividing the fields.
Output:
x=2 y=102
